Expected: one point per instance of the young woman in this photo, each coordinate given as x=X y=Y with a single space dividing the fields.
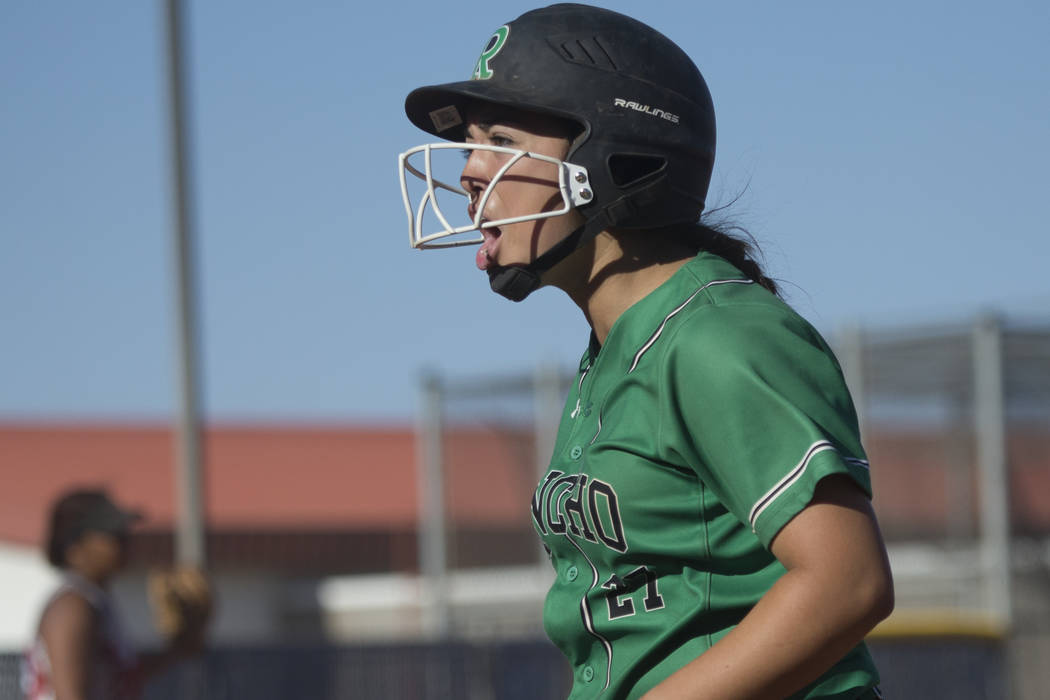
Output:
x=707 y=507
x=81 y=652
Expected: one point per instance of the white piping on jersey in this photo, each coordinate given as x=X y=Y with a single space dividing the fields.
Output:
x=599 y=427
x=785 y=483
x=862 y=463
x=655 y=336
x=588 y=620
x=579 y=391
x=585 y=611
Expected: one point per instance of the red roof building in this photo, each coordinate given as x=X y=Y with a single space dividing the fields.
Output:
x=310 y=496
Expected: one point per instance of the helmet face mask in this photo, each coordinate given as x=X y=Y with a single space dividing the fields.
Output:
x=645 y=121
x=420 y=163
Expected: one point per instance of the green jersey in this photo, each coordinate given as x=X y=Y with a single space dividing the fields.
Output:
x=691 y=436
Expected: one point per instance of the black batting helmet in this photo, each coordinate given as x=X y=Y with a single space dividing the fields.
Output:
x=645 y=117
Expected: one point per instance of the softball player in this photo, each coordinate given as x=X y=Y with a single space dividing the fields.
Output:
x=706 y=510
x=80 y=650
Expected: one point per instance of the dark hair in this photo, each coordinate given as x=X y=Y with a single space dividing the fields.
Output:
x=740 y=251
x=77 y=512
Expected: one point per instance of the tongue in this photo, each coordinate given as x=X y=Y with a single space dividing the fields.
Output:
x=487 y=251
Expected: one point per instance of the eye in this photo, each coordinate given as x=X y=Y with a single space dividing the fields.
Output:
x=466 y=152
x=502 y=141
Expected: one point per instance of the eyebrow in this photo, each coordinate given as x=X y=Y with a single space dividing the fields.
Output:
x=486 y=119
x=487 y=125
x=488 y=116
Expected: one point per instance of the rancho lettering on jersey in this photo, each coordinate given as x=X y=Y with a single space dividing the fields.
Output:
x=580 y=506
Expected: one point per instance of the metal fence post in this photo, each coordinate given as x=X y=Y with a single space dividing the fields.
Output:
x=433 y=563
x=851 y=345
x=990 y=431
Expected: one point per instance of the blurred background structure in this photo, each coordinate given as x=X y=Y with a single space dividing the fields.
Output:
x=341 y=552
x=372 y=420
x=956 y=420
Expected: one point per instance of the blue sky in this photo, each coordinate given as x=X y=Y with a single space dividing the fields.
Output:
x=891 y=160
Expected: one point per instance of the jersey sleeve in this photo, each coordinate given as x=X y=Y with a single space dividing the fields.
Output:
x=757 y=406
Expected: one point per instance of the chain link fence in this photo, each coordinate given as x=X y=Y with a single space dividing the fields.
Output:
x=956 y=420
x=496 y=671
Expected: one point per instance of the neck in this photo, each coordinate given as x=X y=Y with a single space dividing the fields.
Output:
x=620 y=269
x=80 y=563
x=90 y=576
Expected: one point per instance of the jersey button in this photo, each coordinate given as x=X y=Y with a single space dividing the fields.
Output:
x=588 y=674
x=576 y=452
x=572 y=573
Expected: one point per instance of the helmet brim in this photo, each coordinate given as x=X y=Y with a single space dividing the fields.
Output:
x=429 y=108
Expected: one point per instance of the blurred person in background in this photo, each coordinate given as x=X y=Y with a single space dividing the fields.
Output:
x=81 y=651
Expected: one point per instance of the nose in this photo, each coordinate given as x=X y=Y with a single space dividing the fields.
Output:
x=474 y=178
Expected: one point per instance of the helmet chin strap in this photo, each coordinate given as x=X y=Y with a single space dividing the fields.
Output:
x=514 y=283
x=519 y=281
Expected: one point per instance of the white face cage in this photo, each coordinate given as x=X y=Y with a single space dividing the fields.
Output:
x=572 y=183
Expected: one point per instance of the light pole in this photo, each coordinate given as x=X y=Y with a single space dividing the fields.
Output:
x=189 y=528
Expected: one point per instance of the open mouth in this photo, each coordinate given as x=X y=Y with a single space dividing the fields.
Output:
x=486 y=255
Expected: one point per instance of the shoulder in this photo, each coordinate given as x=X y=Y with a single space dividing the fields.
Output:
x=700 y=301
x=744 y=324
x=68 y=611
x=747 y=340
x=68 y=602
x=714 y=299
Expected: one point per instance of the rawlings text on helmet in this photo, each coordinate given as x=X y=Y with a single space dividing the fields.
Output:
x=655 y=111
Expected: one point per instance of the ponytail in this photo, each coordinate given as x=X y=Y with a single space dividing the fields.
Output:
x=739 y=251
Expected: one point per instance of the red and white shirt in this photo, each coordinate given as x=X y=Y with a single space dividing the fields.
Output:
x=113 y=674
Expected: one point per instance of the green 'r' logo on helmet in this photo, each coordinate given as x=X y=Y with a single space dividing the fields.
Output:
x=496 y=42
